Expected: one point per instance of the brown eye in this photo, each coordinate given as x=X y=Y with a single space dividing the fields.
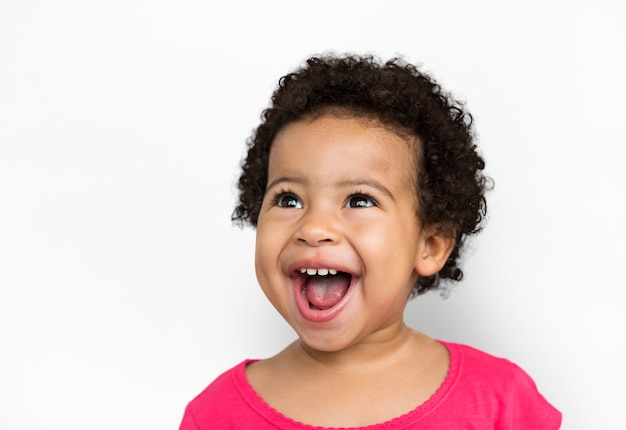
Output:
x=287 y=200
x=360 y=201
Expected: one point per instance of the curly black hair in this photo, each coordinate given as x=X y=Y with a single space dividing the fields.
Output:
x=450 y=184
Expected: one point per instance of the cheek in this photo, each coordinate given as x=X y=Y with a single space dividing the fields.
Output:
x=263 y=268
x=383 y=233
x=267 y=249
x=392 y=246
x=261 y=251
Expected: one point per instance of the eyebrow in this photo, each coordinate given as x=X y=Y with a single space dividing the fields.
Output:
x=348 y=182
x=282 y=179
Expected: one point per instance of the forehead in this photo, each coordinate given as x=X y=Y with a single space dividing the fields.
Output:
x=335 y=143
x=343 y=120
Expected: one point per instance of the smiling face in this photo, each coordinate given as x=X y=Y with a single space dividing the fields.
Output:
x=339 y=246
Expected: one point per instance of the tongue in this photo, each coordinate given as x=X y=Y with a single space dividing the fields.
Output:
x=324 y=292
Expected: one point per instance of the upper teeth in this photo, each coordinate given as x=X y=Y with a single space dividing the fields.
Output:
x=321 y=272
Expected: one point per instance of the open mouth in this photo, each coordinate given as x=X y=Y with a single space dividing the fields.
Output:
x=324 y=288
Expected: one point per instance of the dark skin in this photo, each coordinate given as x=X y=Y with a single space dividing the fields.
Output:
x=325 y=390
x=365 y=366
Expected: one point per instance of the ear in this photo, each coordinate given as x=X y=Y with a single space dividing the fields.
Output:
x=435 y=248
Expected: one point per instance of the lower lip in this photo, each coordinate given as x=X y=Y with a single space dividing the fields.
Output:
x=323 y=315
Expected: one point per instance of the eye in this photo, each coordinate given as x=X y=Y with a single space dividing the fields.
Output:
x=287 y=200
x=360 y=201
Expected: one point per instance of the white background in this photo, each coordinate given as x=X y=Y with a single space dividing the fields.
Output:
x=124 y=288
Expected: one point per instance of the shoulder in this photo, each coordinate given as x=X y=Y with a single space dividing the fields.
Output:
x=479 y=363
x=217 y=401
x=500 y=388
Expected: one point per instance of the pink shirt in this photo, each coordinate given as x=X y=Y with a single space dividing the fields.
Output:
x=480 y=392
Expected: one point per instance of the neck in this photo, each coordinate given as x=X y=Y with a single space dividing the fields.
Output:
x=380 y=350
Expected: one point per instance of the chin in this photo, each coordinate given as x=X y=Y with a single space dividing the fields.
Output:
x=326 y=342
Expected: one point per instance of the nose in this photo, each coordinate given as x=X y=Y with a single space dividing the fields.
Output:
x=317 y=227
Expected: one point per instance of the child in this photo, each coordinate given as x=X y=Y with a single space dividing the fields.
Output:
x=363 y=182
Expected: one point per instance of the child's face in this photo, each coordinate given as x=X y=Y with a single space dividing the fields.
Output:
x=339 y=198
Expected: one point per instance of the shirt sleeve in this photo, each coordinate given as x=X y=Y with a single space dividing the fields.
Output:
x=530 y=410
x=188 y=422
